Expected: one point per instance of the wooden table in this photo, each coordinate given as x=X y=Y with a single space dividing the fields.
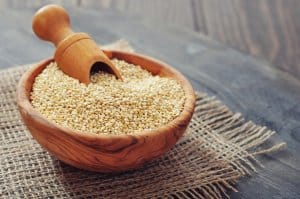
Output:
x=261 y=93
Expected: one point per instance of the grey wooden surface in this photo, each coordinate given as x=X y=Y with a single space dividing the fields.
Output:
x=267 y=29
x=247 y=85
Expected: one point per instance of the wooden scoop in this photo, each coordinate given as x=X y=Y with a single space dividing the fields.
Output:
x=76 y=53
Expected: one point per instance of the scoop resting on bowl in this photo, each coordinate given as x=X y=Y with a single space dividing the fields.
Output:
x=106 y=153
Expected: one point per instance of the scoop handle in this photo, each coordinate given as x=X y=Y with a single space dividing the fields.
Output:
x=76 y=53
x=52 y=23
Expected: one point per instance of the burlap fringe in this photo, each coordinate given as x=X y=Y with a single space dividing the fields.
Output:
x=233 y=142
x=218 y=149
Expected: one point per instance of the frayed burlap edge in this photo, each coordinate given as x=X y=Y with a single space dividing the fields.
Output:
x=231 y=138
x=218 y=149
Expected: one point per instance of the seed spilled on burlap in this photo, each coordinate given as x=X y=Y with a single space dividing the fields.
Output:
x=107 y=105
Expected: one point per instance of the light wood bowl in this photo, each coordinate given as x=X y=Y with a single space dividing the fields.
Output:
x=106 y=153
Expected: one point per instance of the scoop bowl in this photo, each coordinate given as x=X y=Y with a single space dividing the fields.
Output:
x=106 y=153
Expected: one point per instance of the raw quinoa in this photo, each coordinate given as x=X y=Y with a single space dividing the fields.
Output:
x=108 y=105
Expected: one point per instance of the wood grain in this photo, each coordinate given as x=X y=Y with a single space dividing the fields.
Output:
x=267 y=29
x=103 y=153
x=76 y=53
x=253 y=87
x=161 y=12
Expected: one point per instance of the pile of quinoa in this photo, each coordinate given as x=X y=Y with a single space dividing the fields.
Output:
x=108 y=105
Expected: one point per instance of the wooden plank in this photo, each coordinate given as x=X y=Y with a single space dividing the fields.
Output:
x=265 y=28
x=263 y=94
x=168 y=12
x=35 y=4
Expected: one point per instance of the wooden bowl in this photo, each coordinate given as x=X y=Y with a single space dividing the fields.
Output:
x=105 y=153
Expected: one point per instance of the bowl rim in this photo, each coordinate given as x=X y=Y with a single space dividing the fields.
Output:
x=185 y=116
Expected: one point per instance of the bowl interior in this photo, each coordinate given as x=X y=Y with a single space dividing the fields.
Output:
x=152 y=65
x=99 y=152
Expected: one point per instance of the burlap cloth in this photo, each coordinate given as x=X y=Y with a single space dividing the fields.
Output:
x=217 y=150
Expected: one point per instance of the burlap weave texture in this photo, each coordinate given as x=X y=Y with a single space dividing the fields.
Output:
x=217 y=150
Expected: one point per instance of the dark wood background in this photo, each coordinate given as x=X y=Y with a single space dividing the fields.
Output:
x=268 y=29
x=248 y=85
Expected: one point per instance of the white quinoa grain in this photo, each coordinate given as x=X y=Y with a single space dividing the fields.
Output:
x=107 y=105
